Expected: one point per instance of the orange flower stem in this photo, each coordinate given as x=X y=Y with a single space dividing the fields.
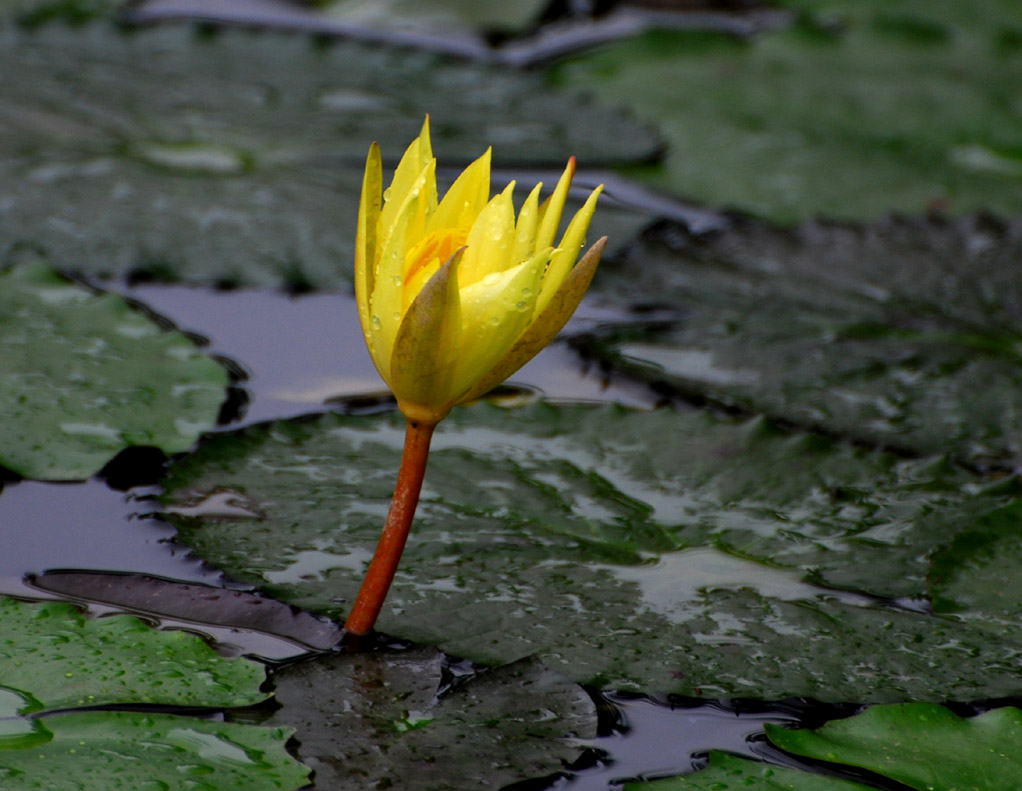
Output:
x=381 y=571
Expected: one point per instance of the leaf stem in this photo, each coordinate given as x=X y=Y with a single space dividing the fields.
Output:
x=381 y=571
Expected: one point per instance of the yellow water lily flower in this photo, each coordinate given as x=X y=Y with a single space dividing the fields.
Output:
x=456 y=295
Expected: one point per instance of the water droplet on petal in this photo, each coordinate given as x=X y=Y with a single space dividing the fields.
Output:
x=522 y=305
x=386 y=193
x=526 y=291
x=397 y=280
x=377 y=323
x=495 y=321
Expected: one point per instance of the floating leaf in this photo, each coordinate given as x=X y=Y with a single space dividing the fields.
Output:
x=843 y=115
x=83 y=376
x=53 y=659
x=664 y=551
x=238 y=158
x=730 y=773
x=132 y=751
x=922 y=745
x=52 y=652
x=878 y=334
x=377 y=720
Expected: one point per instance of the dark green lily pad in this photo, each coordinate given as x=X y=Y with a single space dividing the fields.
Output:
x=658 y=551
x=54 y=660
x=922 y=745
x=892 y=108
x=976 y=571
x=83 y=376
x=377 y=721
x=730 y=773
x=238 y=157
x=906 y=333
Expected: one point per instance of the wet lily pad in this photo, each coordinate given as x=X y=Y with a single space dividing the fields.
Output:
x=730 y=773
x=391 y=719
x=54 y=660
x=662 y=551
x=238 y=157
x=84 y=376
x=922 y=745
x=844 y=116
x=879 y=334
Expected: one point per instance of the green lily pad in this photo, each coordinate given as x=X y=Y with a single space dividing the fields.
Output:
x=662 y=551
x=83 y=376
x=897 y=110
x=54 y=660
x=922 y=745
x=730 y=773
x=238 y=157
x=63 y=660
x=878 y=334
x=31 y=13
x=377 y=721
x=132 y=751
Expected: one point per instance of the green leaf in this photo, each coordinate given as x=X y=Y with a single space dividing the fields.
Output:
x=849 y=116
x=62 y=659
x=661 y=551
x=876 y=334
x=53 y=660
x=923 y=745
x=83 y=376
x=238 y=158
x=730 y=773
x=447 y=16
x=400 y=728
x=132 y=751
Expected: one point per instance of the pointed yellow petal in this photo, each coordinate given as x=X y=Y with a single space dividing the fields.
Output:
x=466 y=197
x=365 y=238
x=386 y=301
x=548 y=323
x=427 y=345
x=489 y=242
x=564 y=257
x=550 y=211
x=494 y=313
x=525 y=228
x=415 y=158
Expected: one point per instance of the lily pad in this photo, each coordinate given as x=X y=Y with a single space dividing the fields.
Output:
x=83 y=376
x=63 y=660
x=890 y=109
x=922 y=745
x=391 y=720
x=132 y=751
x=878 y=334
x=730 y=773
x=238 y=157
x=661 y=551
x=54 y=660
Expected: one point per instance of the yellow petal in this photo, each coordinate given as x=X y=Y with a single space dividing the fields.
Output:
x=416 y=157
x=525 y=228
x=494 y=313
x=466 y=197
x=565 y=255
x=386 y=302
x=365 y=239
x=550 y=211
x=489 y=242
x=426 y=347
x=546 y=325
